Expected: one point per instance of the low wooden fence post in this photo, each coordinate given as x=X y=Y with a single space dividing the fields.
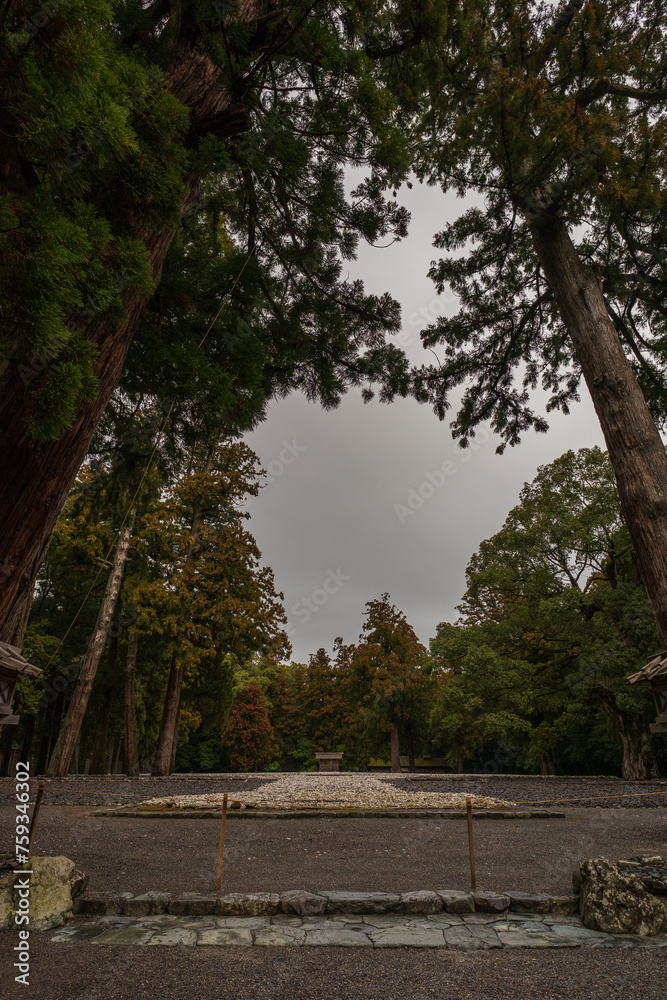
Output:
x=221 y=848
x=471 y=845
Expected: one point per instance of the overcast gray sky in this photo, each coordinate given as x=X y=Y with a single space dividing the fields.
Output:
x=333 y=522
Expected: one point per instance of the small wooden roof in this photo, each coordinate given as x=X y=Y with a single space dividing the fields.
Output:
x=657 y=667
x=10 y=658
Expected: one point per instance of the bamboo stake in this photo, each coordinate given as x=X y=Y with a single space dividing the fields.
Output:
x=471 y=845
x=221 y=849
x=35 y=814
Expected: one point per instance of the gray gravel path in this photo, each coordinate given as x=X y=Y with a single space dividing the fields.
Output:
x=88 y=972
x=529 y=788
x=395 y=855
x=115 y=791
x=606 y=791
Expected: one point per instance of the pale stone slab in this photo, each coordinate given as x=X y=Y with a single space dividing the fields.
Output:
x=84 y=932
x=249 y=923
x=471 y=937
x=339 y=935
x=223 y=936
x=124 y=935
x=279 y=936
x=174 y=936
x=446 y=919
x=377 y=919
x=405 y=936
x=523 y=939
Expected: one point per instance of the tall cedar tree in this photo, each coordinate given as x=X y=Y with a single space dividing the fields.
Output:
x=550 y=118
x=202 y=587
x=248 y=733
x=119 y=122
x=387 y=664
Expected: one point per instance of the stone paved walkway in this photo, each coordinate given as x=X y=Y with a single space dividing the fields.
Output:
x=472 y=931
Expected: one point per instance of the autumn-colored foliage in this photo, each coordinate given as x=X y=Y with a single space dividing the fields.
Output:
x=248 y=733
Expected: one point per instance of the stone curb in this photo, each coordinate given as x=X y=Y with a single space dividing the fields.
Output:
x=467 y=932
x=301 y=902
x=318 y=813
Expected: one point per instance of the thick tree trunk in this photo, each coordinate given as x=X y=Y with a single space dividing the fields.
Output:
x=37 y=476
x=459 y=763
x=169 y=721
x=69 y=731
x=636 y=451
x=22 y=624
x=638 y=759
x=98 y=763
x=548 y=764
x=130 y=742
x=411 y=750
x=115 y=757
x=395 y=752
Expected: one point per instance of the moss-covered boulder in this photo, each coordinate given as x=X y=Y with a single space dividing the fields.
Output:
x=617 y=902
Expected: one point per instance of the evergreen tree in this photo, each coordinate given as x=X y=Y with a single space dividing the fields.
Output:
x=121 y=124
x=248 y=733
x=387 y=664
x=550 y=119
x=553 y=621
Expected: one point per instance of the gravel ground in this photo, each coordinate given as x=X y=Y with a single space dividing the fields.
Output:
x=335 y=791
x=100 y=791
x=91 y=973
x=528 y=788
x=110 y=791
x=273 y=855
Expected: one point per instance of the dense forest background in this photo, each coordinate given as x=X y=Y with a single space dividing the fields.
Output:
x=530 y=678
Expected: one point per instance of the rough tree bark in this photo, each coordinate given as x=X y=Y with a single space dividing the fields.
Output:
x=411 y=748
x=98 y=763
x=37 y=476
x=395 y=753
x=130 y=742
x=61 y=757
x=636 y=451
x=638 y=760
x=169 y=722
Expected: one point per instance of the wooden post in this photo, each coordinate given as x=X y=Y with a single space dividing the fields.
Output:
x=35 y=814
x=471 y=845
x=221 y=848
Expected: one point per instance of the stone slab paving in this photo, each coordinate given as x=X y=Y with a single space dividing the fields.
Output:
x=467 y=931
